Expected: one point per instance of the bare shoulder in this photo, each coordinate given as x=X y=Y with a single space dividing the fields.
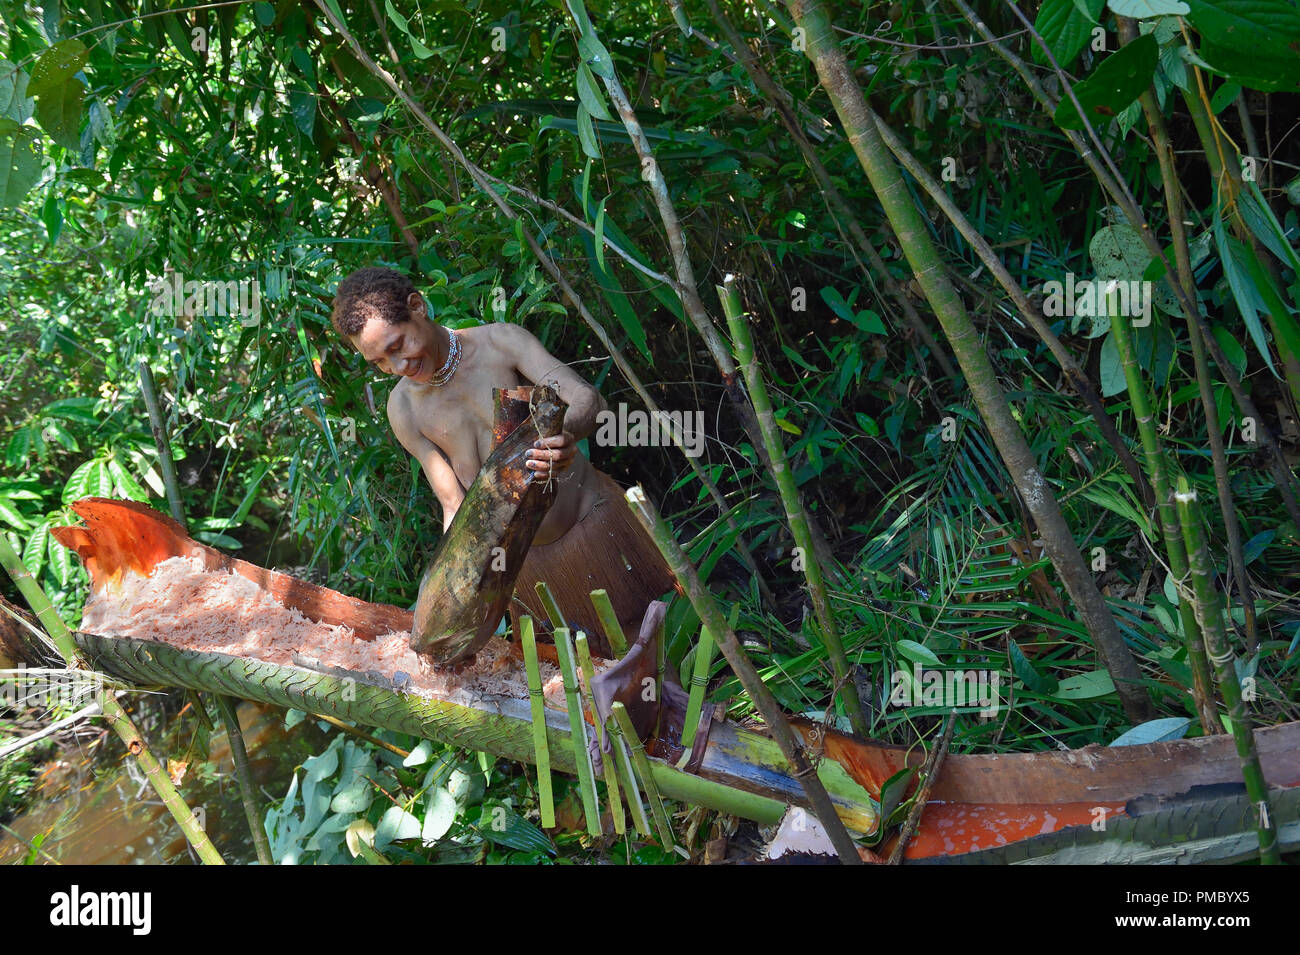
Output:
x=509 y=336
x=400 y=412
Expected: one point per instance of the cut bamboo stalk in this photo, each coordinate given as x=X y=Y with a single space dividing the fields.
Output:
x=537 y=702
x=577 y=728
x=623 y=763
x=641 y=762
x=1207 y=609
x=551 y=604
x=699 y=682
x=609 y=621
x=607 y=765
x=794 y=509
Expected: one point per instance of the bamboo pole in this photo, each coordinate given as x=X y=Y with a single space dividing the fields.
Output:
x=229 y=716
x=1175 y=550
x=545 y=795
x=577 y=730
x=1207 y=609
x=160 y=442
x=1187 y=281
x=627 y=773
x=641 y=762
x=609 y=621
x=699 y=683
x=606 y=765
x=850 y=105
x=711 y=616
x=794 y=509
x=551 y=605
x=115 y=716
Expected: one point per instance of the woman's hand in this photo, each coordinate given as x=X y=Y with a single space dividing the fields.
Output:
x=551 y=456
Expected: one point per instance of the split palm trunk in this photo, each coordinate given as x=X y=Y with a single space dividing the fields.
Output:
x=851 y=107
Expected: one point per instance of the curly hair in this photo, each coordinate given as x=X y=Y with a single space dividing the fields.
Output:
x=368 y=293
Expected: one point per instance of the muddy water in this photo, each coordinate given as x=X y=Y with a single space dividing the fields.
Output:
x=104 y=812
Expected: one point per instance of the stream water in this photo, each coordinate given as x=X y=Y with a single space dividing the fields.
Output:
x=102 y=811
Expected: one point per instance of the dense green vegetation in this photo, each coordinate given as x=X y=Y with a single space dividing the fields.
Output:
x=146 y=143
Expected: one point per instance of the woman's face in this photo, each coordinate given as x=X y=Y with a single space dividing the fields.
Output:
x=407 y=349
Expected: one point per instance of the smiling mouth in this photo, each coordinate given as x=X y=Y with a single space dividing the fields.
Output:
x=418 y=368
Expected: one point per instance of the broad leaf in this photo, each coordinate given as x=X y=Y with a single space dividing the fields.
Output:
x=20 y=162
x=1065 y=28
x=1154 y=731
x=1113 y=85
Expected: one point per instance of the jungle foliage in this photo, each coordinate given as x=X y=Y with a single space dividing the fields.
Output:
x=145 y=144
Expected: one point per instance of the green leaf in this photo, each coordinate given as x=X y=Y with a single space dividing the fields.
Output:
x=15 y=103
x=499 y=824
x=1144 y=9
x=396 y=824
x=60 y=561
x=78 y=482
x=127 y=485
x=52 y=216
x=1252 y=27
x=34 y=550
x=58 y=110
x=1113 y=85
x=56 y=66
x=599 y=240
x=20 y=162
x=589 y=94
x=595 y=55
x=1224 y=95
x=1258 y=70
x=1110 y=369
x=440 y=814
x=1232 y=349
x=302 y=104
x=399 y=20
x=9 y=514
x=916 y=652
x=1255 y=547
x=1065 y=28
x=1253 y=42
x=1233 y=256
x=1154 y=731
x=1033 y=680
x=1085 y=686
x=587 y=133
x=265 y=13
x=1117 y=252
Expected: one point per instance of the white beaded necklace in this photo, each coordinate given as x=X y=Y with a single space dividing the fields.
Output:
x=443 y=374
